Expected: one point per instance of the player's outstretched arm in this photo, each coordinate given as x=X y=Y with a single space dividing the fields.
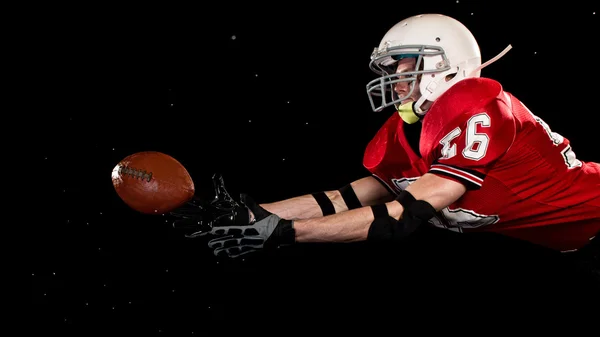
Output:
x=198 y=217
x=386 y=221
x=389 y=220
x=367 y=191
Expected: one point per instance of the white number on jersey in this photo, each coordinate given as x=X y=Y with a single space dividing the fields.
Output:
x=476 y=143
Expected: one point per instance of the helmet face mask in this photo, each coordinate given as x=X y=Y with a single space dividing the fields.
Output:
x=441 y=45
x=384 y=64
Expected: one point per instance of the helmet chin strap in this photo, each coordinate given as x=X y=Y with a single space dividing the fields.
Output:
x=417 y=105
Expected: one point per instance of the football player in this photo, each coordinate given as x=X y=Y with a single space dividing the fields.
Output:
x=458 y=152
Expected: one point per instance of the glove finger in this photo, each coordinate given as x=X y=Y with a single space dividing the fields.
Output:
x=197 y=234
x=242 y=251
x=220 y=191
x=196 y=200
x=187 y=211
x=259 y=212
x=192 y=223
x=236 y=251
x=193 y=204
x=228 y=241
x=191 y=227
x=224 y=241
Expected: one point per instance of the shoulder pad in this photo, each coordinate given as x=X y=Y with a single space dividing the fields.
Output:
x=468 y=94
x=465 y=98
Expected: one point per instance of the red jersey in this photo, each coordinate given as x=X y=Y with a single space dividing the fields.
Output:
x=523 y=180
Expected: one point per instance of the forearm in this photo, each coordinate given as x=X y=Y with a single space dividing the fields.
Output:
x=368 y=191
x=304 y=207
x=350 y=226
x=354 y=225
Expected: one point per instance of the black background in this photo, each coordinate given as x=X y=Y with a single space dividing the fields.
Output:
x=272 y=97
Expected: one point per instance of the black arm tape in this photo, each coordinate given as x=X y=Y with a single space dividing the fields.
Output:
x=380 y=211
x=324 y=202
x=387 y=228
x=350 y=197
x=405 y=198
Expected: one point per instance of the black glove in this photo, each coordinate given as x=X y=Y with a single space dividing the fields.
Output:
x=266 y=231
x=198 y=217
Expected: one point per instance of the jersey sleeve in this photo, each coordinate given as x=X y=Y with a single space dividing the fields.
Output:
x=473 y=137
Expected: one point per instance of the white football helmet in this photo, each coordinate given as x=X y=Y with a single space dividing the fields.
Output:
x=441 y=45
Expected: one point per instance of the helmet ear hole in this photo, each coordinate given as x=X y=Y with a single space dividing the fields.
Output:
x=449 y=77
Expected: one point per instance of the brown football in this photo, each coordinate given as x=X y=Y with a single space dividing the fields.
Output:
x=152 y=182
